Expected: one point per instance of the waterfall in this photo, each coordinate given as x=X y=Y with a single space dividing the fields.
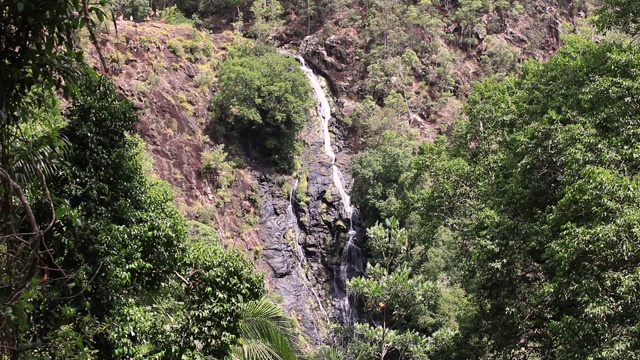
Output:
x=324 y=111
x=351 y=258
x=351 y=262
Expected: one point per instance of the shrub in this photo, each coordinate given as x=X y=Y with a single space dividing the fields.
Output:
x=215 y=164
x=172 y=15
x=500 y=57
x=176 y=45
x=196 y=49
x=263 y=100
x=204 y=79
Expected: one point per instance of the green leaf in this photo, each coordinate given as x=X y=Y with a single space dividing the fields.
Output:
x=99 y=13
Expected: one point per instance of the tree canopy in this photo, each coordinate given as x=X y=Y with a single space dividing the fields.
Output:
x=538 y=189
x=619 y=14
x=514 y=236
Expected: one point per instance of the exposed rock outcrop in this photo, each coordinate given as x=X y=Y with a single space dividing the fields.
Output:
x=334 y=58
x=306 y=220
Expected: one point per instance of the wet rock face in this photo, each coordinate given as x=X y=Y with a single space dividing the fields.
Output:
x=310 y=233
x=293 y=262
x=303 y=235
x=334 y=58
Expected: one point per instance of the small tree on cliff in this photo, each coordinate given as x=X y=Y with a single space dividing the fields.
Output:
x=263 y=99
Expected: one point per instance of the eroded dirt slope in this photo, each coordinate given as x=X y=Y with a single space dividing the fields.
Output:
x=168 y=71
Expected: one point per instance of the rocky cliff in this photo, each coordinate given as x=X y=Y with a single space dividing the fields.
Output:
x=293 y=226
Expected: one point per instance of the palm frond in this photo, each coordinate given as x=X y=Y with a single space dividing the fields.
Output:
x=261 y=315
x=265 y=331
x=254 y=350
x=45 y=153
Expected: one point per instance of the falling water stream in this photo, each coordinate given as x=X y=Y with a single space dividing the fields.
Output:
x=351 y=260
x=324 y=111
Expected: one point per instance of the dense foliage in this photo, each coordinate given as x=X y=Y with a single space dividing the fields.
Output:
x=122 y=279
x=618 y=14
x=551 y=246
x=103 y=266
x=262 y=99
x=136 y=9
x=535 y=195
x=32 y=64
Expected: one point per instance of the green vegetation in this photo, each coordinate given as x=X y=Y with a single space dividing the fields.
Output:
x=172 y=15
x=620 y=15
x=519 y=226
x=96 y=260
x=195 y=49
x=266 y=333
x=138 y=9
x=377 y=181
x=559 y=144
x=267 y=14
x=122 y=276
x=404 y=304
x=514 y=236
x=262 y=98
x=216 y=166
x=499 y=57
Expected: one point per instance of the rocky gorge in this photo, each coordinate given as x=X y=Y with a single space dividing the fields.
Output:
x=301 y=229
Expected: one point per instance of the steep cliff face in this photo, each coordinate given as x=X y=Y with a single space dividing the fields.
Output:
x=168 y=71
x=304 y=227
x=294 y=227
x=171 y=93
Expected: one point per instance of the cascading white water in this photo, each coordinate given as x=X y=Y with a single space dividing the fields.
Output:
x=351 y=260
x=324 y=111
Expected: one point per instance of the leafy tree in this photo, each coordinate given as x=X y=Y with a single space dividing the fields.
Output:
x=211 y=12
x=375 y=127
x=387 y=74
x=124 y=224
x=618 y=14
x=328 y=353
x=31 y=60
x=540 y=193
x=266 y=14
x=263 y=99
x=123 y=232
x=120 y=278
x=468 y=15
x=383 y=28
x=172 y=15
x=499 y=57
x=377 y=181
x=138 y=9
x=218 y=283
x=407 y=312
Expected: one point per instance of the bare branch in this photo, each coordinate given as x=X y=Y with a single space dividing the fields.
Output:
x=182 y=278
